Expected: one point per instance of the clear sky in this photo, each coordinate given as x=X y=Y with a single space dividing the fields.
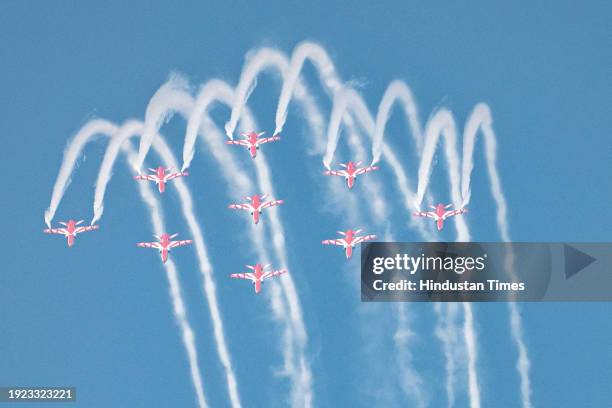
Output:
x=98 y=316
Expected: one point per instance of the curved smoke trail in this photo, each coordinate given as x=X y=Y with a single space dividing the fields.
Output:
x=239 y=182
x=480 y=118
x=332 y=84
x=71 y=155
x=171 y=94
x=136 y=128
x=178 y=94
x=175 y=291
x=396 y=92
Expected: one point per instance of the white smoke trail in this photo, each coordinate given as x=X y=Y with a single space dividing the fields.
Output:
x=480 y=118
x=180 y=312
x=446 y=331
x=325 y=70
x=135 y=128
x=442 y=124
x=109 y=129
x=184 y=100
x=258 y=62
x=71 y=155
x=255 y=64
x=470 y=340
x=412 y=382
x=294 y=308
x=332 y=84
x=239 y=182
x=206 y=271
x=168 y=99
x=397 y=91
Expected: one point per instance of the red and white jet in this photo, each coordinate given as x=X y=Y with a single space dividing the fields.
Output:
x=164 y=243
x=258 y=275
x=71 y=229
x=440 y=213
x=350 y=172
x=349 y=240
x=255 y=205
x=160 y=177
x=252 y=141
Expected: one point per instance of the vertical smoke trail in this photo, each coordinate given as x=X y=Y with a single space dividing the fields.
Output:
x=71 y=155
x=239 y=182
x=470 y=340
x=441 y=122
x=348 y=100
x=206 y=270
x=180 y=97
x=412 y=381
x=446 y=331
x=175 y=291
x=480 y=118
x=109 y=129
x=134 y=128
x=330 y=80
x=262 y=60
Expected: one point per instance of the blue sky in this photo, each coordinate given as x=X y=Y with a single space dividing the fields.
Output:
x=98 y=316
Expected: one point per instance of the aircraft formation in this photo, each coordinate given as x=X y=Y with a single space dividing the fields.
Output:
x=255 y=205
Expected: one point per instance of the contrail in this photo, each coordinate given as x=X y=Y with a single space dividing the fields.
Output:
x=396 y=92
x=175 y=291
x=446 y=331
x=412 y=381
x=71 y=155
x=442 y=124
x=206 y=270
x=258 y=62
x=186 y=101
x=169 y=98
x=255 y=64
x=332 y=85
x=135 y=128
x=109 y=129
x=480 y=118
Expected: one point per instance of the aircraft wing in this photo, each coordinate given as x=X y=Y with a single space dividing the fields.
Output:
x=272 y=274
x=365 y=170
x=268 y=204
x=62 y=231
x=78 y=230
x=428 y=214
x=247 y=207
x=149 y=177
x=182 y=242
x=238 y=142
x=155 y=245
x=266 y=140
x=364 y=239
x=340 y=173
x=334 y=242
x=175 y=175
x=454 y=212
x=247 y=275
